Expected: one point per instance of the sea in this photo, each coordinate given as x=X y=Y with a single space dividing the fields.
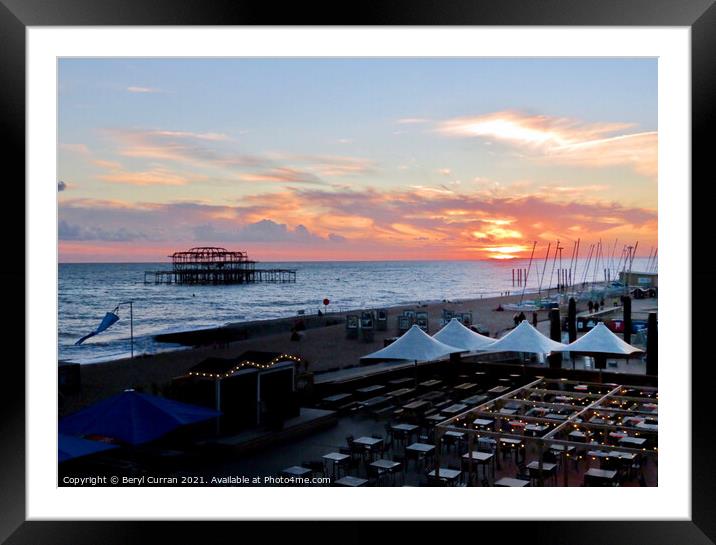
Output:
x=87 y=291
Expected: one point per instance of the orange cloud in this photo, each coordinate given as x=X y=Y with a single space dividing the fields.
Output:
x=563 y=140
x=149 y=177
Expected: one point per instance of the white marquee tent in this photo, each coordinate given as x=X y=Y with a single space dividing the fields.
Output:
x=454 y=333
x=414 y=345
x=525 y=338
x=600 y=340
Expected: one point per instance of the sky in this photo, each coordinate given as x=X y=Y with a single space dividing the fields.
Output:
x=355 y=158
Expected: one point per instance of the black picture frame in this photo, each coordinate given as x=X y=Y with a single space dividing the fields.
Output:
x=16 y=15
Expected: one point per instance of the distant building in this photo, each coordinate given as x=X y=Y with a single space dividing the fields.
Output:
x=639 y=279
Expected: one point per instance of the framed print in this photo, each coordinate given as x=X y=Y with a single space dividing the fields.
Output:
x=416 y=252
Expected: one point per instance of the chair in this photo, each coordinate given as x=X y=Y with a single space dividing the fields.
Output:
x=354 y=449
x=523 y=473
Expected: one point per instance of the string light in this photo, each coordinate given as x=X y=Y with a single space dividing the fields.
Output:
x=247 y=363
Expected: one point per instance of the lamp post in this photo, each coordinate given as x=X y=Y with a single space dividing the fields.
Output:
x=131 y=326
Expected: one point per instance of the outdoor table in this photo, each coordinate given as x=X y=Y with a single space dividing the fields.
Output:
x=454 y=409
x=599 y=475
x=507 y=411
x=296 y=471
x=598 y=420
x=638 y=441
x=349 y=480
x=513 y=405
x=371 y=389
x=535 y=428
x=549 y=469
x=561 y=448
x=373 y=401
x=581 y=388
x=503 y=380
x=475 y=400
x=482 y=459
x=399 y=393
x=417 y=405
x=486 y=443
x=420 y=450
x=398 y=381
x=562 y=398
x=388 y=466
x=498 y=389
x=515 y=375
x=617 y=435
x=555 y=416
x=336 y=398
x=512 y=445
x=430 y=396
x=509 y=481
x=446 y=474
x=650 y=427
x=435 y=418
x=465 y=386
x=579 y=435
x=369 y=442
x=404 y=431
x=431 y=383
x=483 y=422
x=337 y=460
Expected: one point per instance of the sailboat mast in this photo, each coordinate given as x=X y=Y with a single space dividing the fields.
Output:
x=529 y=267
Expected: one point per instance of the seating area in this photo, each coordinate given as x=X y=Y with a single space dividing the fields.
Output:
x=600 y=434
x=541 y=433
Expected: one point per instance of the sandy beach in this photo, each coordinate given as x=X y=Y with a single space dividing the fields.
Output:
x=324 y=346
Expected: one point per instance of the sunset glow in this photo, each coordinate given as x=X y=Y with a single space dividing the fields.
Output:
x=315 y=159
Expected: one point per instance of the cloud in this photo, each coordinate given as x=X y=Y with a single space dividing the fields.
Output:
x=80 y=149
x=140 y=89
x=214 y=150
x=563 y=140
x=156 y=176
x=344 y=223
x=412 y=120
x=68 y=231
x=287 y=175
x=262 y=231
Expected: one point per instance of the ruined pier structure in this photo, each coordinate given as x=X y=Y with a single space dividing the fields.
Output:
x=210 y=265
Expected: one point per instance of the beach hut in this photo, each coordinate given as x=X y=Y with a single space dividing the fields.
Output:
x=525 y=338
x=70 y=447
x=257 y=387
x=454 y=333
x=601 y=343
x=134 y=418
x=415 y=345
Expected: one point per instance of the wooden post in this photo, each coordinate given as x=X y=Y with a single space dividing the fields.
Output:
x=555 y=330
x=627 y=319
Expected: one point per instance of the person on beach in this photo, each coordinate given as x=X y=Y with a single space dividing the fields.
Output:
x=534 y=319
x=516 y=319
x=591 y=307
x=521 y=318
